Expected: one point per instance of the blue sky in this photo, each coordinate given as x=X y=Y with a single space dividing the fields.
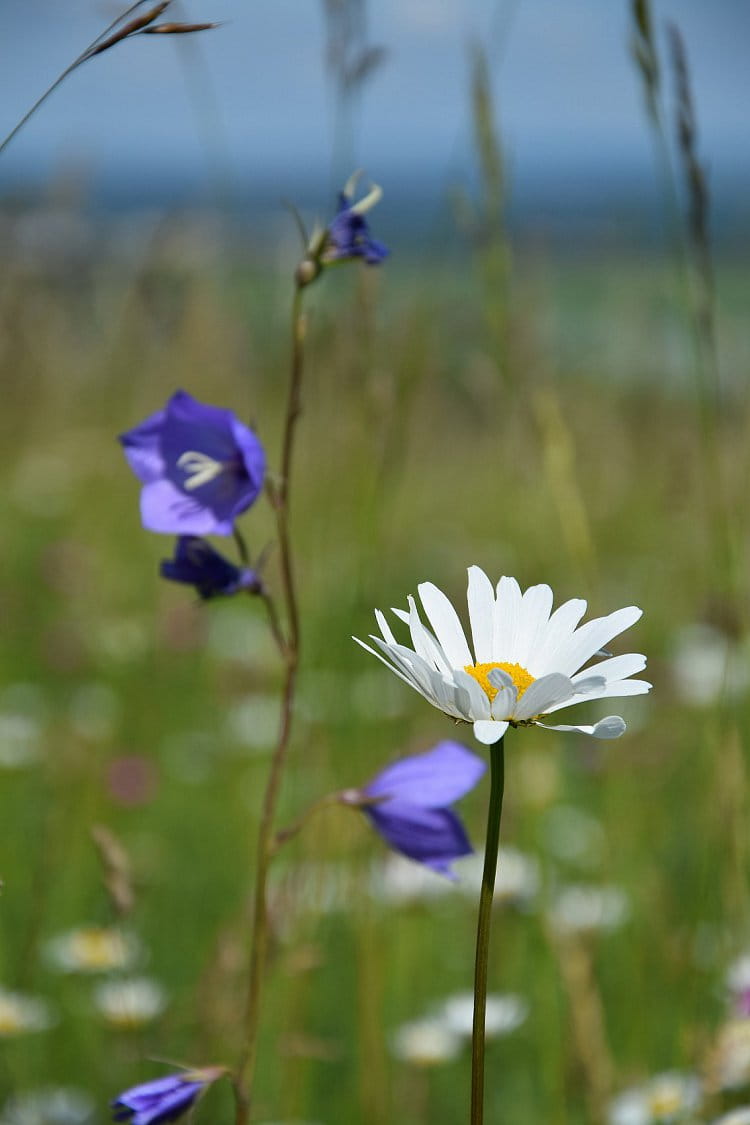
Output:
x=253 y=97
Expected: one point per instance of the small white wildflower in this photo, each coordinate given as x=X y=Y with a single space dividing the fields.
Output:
x=579 y=909
x=20 y=1014
x=427 y=1042
x=667 y=1099
x=129 y=1003
x=92 y=949
x=504 y=1013
x=516 y=882
x=57 y=1105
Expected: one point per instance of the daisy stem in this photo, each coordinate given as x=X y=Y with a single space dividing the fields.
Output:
x=243 y=1077
x=492 y=843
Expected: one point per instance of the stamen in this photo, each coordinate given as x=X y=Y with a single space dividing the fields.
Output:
x=480 y=672
x=199 y=469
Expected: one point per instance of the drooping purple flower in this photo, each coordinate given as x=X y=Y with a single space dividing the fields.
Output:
x=196 y=563
x=348 y=235
x=163 y=1099
x=407 y=803
x=200 y=467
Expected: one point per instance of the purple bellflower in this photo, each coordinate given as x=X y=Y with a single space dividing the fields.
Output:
x=348 y=235
x=200 y=467
x=407 y=803
x=163 y=1099
x=196 y=563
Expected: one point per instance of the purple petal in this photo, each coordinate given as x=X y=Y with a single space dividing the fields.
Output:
x=165 y=508
x=142 y=447
x=434 y=837
x=196 y=563
x=164 y=1099
x=431 y=780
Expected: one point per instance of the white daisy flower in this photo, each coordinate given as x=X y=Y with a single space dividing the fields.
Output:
x=92 y=949
x=426 y=1042
x=19 y=1014
x=527 y=661
x=131 y=1002
x=666 y=1099
x=505 y=1012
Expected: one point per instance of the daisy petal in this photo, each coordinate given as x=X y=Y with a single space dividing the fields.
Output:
x=504 y=703
x=556 y=636
x=546 y=692
x=614 y=689
x=591 y=636
x=536 y=607
x=616 y=668
x=424 y=643
x=446 y=625
x=611 y=727
x=499 y=678
x=479 y=700
x=488 y=732
x=507 y=619
x=385 y=628
x=481 y=599
x=382 y=659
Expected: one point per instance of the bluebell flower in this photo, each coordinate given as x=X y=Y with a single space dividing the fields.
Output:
x=163 y=1099
x=348 y=235
x=407 y=803
x=200 y=467
x=196 y=563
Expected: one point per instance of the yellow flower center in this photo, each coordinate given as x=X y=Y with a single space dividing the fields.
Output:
x=98 y=949
x=520 y=677
x=11 y=1019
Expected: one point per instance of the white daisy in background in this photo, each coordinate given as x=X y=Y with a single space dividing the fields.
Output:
x=739 y=1116
x=581 y=909
x=729 y=1060
x=399 y=881
x=517 y=880
x=21 y=1014
x=526 y=661
x=55 y=1105
x=504 y=1014
x=92 y=949
x=707 y=663
x=427 y=1042
x=130 y=1003
x=667 y=1099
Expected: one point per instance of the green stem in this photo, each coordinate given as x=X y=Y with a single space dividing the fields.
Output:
x=494 y=813
x=245 y=1072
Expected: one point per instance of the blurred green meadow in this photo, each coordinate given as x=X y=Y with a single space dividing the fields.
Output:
x=552 y=432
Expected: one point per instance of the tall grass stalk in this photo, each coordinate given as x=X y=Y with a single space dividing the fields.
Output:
x=692 y=252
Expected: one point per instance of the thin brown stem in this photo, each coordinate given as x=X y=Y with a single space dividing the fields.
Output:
x=244 y=1075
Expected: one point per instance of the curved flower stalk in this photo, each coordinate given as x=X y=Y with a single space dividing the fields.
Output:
x=200 y=467
x=527 y=662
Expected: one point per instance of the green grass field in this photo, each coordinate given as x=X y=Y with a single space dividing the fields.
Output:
x=575 y=458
